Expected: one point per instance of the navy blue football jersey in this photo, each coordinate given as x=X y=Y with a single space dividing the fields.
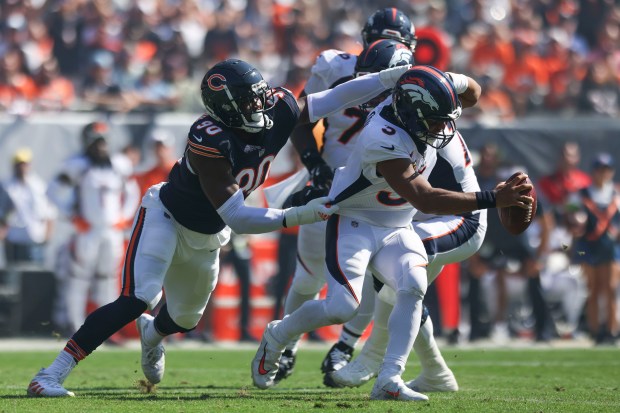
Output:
x=182 y=194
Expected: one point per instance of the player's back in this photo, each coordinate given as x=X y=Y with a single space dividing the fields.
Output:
x=332 y=68
x=358 y=188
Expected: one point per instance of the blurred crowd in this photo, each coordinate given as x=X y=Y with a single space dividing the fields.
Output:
x=531 y=56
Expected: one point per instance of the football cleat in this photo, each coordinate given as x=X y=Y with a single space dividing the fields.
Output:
x=393 y=388
x=153 y=357
x=267 y=359
x=442 y=381
x=337 y=357
x=287 y=364
x=46 y=384
x=354 y=374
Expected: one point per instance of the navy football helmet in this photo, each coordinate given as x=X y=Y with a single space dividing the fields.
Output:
x=379 y=55
x=235 y=93
x=427 y=105
x=389 y=23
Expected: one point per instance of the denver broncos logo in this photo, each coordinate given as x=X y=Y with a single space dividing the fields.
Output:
x=418 y=93
x=402 y=56
x=216 y=82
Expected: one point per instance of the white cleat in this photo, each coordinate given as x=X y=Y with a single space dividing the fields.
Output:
x=442 y=381
x=356 y=373
x=393 y=388
x=46 y=384
x=153 y=358
x=267 y=359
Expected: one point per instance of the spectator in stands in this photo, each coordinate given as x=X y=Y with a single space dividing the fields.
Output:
x=600 y=90
x=29 y=215
x=597 y=248
x=54 y=91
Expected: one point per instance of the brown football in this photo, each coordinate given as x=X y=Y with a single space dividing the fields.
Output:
x=515 y=219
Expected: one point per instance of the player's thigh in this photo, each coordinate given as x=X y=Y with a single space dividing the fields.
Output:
x=399 y=261
x=149 y=253
x=309 y=276
x=110 y=253
x=450 y=239
x=191 y=278
x=349 y=246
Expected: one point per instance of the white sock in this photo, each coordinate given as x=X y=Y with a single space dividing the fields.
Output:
x=293 y=301
x=403 y=327
x=426 y=348
x=62 y=365
x=151 y=336
x=310 y=316
x=374 y=347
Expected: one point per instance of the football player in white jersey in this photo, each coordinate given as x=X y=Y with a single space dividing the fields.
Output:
x=95 y=192
x=446 y=239
x=182 y=223
x=333 y=67
x=379 y=191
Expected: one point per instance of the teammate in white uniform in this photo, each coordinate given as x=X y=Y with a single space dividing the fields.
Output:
x=378 y=191
x=341 y=132
x=446 y=239
x=182 y=223
x=95 y=192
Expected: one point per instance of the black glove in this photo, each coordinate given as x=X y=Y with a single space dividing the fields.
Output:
x=304 y=196
x=320 y=172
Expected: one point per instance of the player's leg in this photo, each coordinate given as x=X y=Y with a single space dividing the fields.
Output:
x=148 y=256
x=401 y=264
x=308 y=280
x=81 y=272
x=348 y=250
x=340 y=353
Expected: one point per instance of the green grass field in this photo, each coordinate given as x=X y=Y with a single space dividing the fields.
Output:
x=515 y=380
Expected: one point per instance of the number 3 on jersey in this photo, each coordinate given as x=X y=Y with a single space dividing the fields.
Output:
x=251 y=178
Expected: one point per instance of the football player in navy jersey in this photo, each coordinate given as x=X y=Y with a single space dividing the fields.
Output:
x=182 y=223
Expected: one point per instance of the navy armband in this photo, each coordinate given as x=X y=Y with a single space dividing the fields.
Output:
x=486 y=199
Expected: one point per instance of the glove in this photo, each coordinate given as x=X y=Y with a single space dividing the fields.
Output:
x=320 y=172
x=389 y=77
x=304 y=196
x=316 y=210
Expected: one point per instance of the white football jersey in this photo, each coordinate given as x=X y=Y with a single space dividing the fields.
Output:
x=454 y=171
x=331 y=68
x=101 y=192
x=358 y=189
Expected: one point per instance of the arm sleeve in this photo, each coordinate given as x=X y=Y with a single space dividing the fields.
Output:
x=243 y=219
x=352 y=93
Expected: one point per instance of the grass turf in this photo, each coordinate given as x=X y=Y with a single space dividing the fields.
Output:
x=514 y=380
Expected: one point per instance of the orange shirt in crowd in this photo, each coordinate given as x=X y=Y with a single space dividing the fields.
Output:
x=153 y=176
x=58 y=94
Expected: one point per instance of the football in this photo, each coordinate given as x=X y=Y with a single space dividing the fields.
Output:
x=515 y=219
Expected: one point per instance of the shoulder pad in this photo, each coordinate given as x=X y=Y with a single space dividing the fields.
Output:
x=330 y=66
x=208 y=138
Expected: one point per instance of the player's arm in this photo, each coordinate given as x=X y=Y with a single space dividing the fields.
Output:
x=413 y=187
x=468 y=89
x=348 y=94
x=222 y=190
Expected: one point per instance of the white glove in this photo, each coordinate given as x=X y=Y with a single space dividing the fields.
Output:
x=389 y=77
x=316 y=210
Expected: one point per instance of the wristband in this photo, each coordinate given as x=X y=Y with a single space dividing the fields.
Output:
x=486 y=199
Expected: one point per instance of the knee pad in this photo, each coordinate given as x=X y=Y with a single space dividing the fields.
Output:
x=341 y=309
x=414 y=282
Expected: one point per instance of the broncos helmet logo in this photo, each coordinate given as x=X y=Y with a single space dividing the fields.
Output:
x=418 y=93
x=401 y=56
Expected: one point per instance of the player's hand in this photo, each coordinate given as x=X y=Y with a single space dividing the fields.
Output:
x=316 y=210
x=510 y=193
x=304 y=196
x=322 y=176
